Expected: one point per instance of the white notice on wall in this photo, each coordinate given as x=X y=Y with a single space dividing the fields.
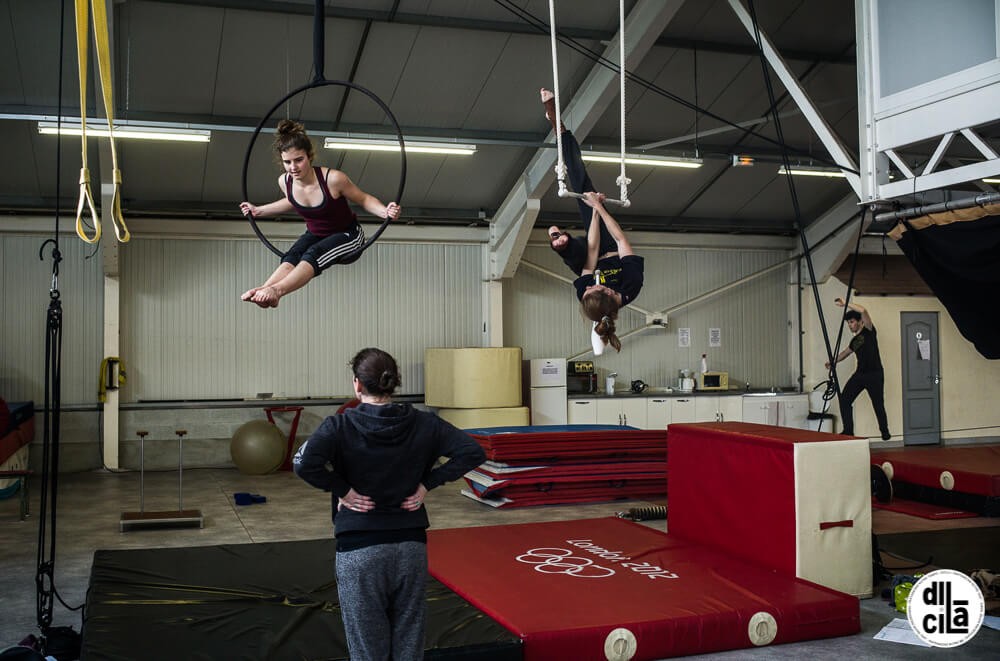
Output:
x=683 y=337
x=715 y=337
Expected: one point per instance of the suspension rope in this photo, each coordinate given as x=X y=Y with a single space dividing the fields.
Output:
x=622 y=181
x=103 y=50
x=560 y=169
x=45 y=589
x=599 y=59
x=560 y=163
x=806 y=250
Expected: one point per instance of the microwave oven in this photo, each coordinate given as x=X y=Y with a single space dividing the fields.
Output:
x=581 y=384
x=713 y=381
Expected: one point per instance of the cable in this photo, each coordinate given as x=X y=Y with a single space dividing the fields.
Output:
x=45 y=588
x=596 y=57
x=806 y=250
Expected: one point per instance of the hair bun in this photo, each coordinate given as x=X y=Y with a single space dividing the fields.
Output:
x=289 y=126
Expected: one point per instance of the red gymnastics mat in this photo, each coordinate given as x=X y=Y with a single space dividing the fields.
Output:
x=572 y=442
x=568 y=589
x=569 y=482
x=973 y=469
x=923 y=510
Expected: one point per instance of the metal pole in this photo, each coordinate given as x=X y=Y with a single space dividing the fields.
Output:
x=180 y=468
x=953 y=205
x=142 y=471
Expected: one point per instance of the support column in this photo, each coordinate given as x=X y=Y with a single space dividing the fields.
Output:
x=493 y=313
x=112 y=327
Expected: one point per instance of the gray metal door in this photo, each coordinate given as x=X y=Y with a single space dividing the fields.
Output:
x=921 y=378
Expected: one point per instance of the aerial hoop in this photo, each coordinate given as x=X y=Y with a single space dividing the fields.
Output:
x=320 y=82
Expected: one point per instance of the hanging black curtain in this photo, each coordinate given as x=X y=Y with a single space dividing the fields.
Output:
x=960 y=262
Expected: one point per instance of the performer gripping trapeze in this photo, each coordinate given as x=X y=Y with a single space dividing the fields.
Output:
x=609 y=274
x=318 y=194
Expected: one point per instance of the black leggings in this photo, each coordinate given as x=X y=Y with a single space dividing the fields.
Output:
x=574 y=255
x=874 y=383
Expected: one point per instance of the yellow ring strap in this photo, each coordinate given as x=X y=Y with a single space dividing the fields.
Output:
x=103 y=49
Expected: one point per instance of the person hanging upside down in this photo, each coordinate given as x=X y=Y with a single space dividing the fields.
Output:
x=604 y=255
x=320 y=195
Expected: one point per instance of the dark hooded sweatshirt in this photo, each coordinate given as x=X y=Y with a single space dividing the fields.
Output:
x=384 y=452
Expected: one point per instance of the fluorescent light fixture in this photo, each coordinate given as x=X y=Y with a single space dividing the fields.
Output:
x=127 y=131
x=412 y=146
x=991 y=181
x=642 y=159
x=812 y=171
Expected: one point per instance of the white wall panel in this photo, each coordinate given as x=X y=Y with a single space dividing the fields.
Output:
x=25 y=281
x=191 y=337
x=541 y=315
x=186 y=334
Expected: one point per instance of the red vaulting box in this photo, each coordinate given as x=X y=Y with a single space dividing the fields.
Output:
x=794 y=500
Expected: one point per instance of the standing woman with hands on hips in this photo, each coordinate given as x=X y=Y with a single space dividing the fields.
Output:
x=320 y=196
x=378 y=460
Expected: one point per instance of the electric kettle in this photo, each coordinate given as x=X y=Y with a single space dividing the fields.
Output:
x=638 y=386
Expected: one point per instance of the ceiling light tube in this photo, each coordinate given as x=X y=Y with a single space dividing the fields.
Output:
x=127 y=131
x=991 y=181
x=412 y=146
x=812 y=171
x=642 y=159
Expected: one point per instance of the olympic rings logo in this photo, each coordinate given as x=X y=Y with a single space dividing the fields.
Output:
x=562 y=561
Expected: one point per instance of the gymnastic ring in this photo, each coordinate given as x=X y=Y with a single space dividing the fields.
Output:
x=402 y=160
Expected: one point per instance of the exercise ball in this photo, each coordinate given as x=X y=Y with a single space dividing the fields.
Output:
x=258 y=447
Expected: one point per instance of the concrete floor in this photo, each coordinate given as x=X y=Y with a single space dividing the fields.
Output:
x=90 y=505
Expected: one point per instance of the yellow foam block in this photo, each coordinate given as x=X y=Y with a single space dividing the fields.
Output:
x=514 y=416
x=473 y=378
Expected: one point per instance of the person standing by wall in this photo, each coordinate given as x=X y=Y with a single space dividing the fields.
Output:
x=379 y=461
x=869 y=374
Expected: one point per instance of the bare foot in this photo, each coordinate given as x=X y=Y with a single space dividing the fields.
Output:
x=248 y=295
x=266 y=297
x=558 y=239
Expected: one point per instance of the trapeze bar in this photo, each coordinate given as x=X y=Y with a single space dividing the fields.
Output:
x=607 y=200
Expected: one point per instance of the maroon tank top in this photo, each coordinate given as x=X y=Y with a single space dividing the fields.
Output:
x=329 y=216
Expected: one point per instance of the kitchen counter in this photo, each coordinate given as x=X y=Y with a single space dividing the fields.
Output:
x=677 y=393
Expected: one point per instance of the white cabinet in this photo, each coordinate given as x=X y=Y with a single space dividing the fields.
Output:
x=794 y=411
x=718 y=408
x=682 y=409
x=581 y=412
x=630 y=411
x=780 y=410
x=657 y=412
x=706 y=408
x=634 y=412
x=731 y=408
x=760 y=409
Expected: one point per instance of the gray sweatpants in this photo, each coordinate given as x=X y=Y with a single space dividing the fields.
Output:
x=383 y=600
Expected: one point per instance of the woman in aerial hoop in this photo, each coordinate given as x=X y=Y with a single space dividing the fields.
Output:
x=609 y=274
x=320 y=196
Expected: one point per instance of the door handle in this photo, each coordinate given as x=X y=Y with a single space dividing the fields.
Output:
x=937 y=379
